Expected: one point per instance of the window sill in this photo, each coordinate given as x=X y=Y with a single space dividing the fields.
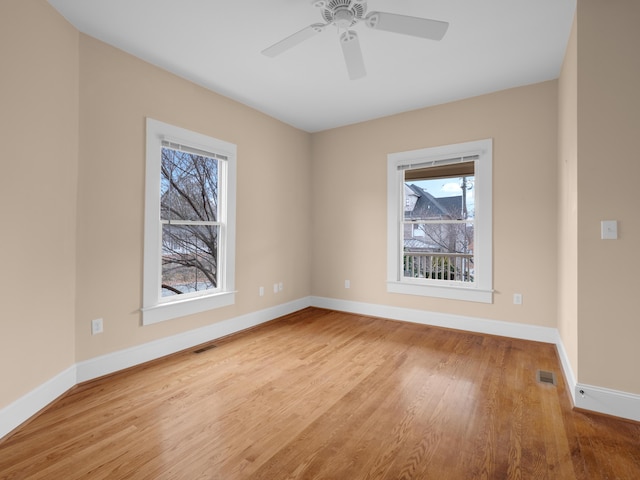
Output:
x=180 y=308
x=442 y=291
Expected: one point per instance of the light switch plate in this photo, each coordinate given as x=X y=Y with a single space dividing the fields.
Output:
x=609 y=230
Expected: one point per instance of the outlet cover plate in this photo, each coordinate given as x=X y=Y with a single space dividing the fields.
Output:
x=96 y=326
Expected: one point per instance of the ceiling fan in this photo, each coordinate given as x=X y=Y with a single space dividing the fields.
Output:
x=346 y=13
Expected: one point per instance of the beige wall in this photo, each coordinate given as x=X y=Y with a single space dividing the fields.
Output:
x=350 y=203
x=568 y=201
x=117 y=92
x=39 y=132
x=608 y=173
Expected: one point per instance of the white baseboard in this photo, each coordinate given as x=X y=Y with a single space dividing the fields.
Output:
x=610 y=402
x=446 y=320
x=598 y=399
x=113 y=362
x=18 y=412
x=569 y=376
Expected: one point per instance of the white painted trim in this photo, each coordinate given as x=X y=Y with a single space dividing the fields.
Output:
x=607 y=401
x=187 y=306
x=481 y=290
x=113 y=362
x=569 y=376
x=446 y=320
x=464 y=293
x=155 y=308
x=18 y=412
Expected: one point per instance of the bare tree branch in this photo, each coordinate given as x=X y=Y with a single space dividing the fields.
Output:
x=189 y=192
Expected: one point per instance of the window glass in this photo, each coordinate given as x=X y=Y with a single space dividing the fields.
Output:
x=438 y=228
x=189 y=214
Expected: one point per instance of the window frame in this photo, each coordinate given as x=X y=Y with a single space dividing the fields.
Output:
x=155 y=307
x=481 y=290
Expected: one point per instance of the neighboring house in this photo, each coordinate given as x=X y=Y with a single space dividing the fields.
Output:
x=421 y=205
x=436 y=244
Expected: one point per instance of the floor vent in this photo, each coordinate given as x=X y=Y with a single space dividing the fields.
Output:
x=205 y=348
x=546 y=377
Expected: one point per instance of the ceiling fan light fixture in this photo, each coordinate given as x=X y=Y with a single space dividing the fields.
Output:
x=334 y=10
x=345 y=13
x=343 y=17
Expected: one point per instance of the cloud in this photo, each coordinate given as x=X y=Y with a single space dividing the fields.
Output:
x=451 y=187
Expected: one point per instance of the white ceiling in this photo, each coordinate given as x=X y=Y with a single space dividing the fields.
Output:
x=490 y=45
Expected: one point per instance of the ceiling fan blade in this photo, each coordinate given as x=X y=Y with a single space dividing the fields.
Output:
x=293 y=40
x=415 y=26
x=352 y=55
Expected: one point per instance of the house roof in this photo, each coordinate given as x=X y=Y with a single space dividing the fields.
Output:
x=418 y=245
x=429 y=206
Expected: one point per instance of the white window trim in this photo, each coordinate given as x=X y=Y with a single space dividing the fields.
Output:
x=481 y=290
x=155 y=308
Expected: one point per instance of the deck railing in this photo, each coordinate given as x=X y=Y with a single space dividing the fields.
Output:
x=456 y=267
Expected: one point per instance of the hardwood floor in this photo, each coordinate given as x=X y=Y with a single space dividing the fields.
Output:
x=328 y=395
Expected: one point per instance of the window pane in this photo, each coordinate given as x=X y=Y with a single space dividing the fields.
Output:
x=189 y=258
x=438 y=229
x=189 y=187
x=442 y=251
x=439 y=198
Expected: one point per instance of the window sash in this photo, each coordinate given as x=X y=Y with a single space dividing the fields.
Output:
x=436 y=221
x=217 y=193
x=189 y=246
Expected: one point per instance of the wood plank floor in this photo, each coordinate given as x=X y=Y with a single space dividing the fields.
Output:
x=328 y=395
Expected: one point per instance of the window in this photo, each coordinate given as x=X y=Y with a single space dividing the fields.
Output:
x=189 y=223
x=439 y=231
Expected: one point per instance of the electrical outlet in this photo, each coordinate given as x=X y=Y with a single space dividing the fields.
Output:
x=96 y=326
x=261 y=291
x=347 y=284
x=517 y=299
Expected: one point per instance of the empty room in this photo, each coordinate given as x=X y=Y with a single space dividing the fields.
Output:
x=295 y=239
